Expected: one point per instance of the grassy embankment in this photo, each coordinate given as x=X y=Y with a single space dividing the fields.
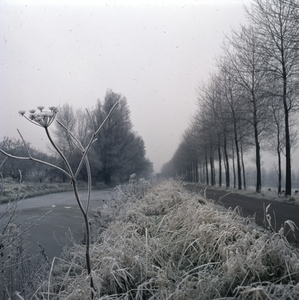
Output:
x=11 y=190
x=167 y=243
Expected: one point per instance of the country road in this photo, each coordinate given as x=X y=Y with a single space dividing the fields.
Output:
x=254 y=207
x=56 y=214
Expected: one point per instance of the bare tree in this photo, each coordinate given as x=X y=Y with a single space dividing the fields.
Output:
x=77 y=122
x=189 y=144
x=235 y=105
x=207 y=141
x=66 y=116
x=117 y=146
x=244 y=64
x=277 y=134
x=214 y=105
x=277 y=28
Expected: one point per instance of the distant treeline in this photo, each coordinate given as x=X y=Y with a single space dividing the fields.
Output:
x=117 y=153
x=250 y=103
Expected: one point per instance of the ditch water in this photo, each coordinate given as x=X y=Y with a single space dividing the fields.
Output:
x=53 y=216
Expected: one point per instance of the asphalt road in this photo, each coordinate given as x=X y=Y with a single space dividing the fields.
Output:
x=255 y=207
x=54 y=215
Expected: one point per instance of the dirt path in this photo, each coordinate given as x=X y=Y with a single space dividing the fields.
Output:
x=250 y=206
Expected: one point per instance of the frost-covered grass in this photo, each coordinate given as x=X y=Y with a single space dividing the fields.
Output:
x=19 y=271
x=166 y=243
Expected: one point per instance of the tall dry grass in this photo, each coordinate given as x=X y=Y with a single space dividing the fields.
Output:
x=21 y=274
x=170 y=244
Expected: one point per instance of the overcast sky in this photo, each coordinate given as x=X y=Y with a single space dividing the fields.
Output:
x=155 y=53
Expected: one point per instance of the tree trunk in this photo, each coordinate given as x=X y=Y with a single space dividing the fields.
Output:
x=243 y=168
x=220 y=164
x=207 y=170
x=288 y=184
x=201 y=173
x=238 y=161
x=234 y=167
x=279 y=170
x=227 y=175
x=212 y=171
x=257 y=154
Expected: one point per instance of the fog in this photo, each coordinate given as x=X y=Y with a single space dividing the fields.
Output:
x=155 y=53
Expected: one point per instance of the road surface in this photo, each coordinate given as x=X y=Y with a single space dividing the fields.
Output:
x=254 y=207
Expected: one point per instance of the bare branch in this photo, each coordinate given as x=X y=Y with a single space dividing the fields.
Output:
x=60 y=153
x=77 y=142
x=80 y=147
x=36 y=160
x=93 y=138
x=24 y=143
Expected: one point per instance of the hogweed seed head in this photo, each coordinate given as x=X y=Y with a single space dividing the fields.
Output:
x=53 y=108
x=41 y=118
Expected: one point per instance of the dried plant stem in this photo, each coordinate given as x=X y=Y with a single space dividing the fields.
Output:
x=146 y=252
x=32 y=158
x=81 y=148
x=87 y=228
x=84 y=212
x=93 y=138
x=2 y=187
x=69 y=173
x=60 y=153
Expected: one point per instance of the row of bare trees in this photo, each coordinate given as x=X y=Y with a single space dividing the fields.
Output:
x=117 y=152
x=249 y=103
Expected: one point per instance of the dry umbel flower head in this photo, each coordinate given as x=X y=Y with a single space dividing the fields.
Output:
x=41 y=118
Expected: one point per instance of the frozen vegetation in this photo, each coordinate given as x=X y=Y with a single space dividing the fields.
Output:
x=11 y=190
x=159 y=241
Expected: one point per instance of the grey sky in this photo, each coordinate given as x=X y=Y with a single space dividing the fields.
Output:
x=155 y=53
